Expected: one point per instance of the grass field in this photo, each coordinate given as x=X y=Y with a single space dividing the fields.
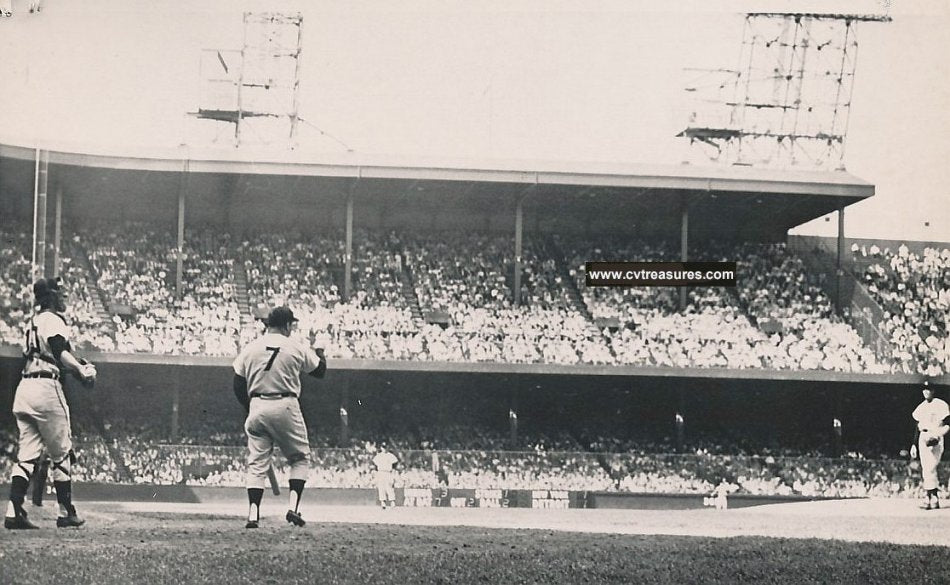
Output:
x=158 y=547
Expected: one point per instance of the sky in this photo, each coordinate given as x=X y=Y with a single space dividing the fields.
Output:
x=599 y=80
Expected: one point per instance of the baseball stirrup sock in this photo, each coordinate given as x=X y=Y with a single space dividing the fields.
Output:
x=18 y=487
x=254 y=497
x=296 y=492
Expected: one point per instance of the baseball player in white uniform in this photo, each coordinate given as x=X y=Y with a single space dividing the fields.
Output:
x=40 y=408
x=932 y=416
x=384 y=461
x=267 y=383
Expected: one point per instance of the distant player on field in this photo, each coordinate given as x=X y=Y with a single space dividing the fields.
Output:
x=267 y=383
x=932 y=416
x=384 y=461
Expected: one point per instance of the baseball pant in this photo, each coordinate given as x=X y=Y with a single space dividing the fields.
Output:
x=277 y=422
x=42 y=417
x=929 y=458
x=384 y=486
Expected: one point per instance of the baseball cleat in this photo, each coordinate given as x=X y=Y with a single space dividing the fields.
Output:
x=19 y=523
x=71 y=521
x=251 y=524
x=295 y=518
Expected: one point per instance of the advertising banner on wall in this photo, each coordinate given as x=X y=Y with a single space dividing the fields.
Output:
x=490 y=498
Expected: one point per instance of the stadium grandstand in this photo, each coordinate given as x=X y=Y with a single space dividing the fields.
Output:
x=461 y=328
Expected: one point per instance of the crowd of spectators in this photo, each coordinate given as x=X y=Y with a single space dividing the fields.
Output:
x=134 y=263
x=914 y=292
x=455 y=272
x=378 y=270
x=467 y=277
x=777 y=317
x=135 y=267
x=775 y=288
x=710 y=332
x=463 y=457
x=84 y=308
x=292 y=266
x=15 y=279
x=305 y=272
x=16 y=300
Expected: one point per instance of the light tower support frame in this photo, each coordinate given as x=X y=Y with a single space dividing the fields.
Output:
x=260 y=82
x=791 y=94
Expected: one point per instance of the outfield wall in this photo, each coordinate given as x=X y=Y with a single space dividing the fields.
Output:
x=396 y=397
x=423 y=498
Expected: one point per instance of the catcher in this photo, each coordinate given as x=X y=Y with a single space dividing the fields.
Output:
x=40 y=407
x=932 y=416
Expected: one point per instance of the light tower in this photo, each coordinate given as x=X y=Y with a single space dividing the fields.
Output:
x=788 y=103
x=255 y=89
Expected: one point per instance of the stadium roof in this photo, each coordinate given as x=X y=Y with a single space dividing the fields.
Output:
x=761 y=200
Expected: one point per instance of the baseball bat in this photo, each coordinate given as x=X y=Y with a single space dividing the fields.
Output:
x=272 y=478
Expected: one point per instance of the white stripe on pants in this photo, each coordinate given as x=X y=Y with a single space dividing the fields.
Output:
x=929 y=458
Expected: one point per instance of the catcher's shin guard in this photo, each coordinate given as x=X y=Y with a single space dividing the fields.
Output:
x=39 y=482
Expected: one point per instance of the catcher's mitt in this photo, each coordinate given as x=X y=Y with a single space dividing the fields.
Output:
x=932 y=441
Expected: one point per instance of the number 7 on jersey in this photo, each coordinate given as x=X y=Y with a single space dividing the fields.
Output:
x=270 y=362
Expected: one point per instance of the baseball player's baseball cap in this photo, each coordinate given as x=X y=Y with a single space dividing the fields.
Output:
x=280 y=316
x=44 y=287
